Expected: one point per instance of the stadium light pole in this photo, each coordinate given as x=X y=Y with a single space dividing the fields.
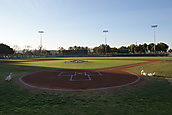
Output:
x=40 y=32
x=154 y=26
x=105 y=31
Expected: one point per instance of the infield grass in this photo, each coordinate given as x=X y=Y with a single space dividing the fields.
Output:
x=91 y=64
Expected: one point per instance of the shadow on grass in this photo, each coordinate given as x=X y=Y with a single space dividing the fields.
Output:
x=158 y=77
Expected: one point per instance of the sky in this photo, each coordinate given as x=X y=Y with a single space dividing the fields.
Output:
x=68 y=23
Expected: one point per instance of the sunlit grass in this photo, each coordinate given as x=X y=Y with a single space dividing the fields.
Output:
x=91 y=64
x=162 y=68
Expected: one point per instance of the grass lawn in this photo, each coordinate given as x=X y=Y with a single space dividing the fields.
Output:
x=151 y=97
x=91 y=64
x=162 y=69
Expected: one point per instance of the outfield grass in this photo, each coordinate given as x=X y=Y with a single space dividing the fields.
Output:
x=163 y=69
x=151 y=97
x=91 y=64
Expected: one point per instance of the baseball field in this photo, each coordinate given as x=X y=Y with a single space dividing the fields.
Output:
x=86 y=85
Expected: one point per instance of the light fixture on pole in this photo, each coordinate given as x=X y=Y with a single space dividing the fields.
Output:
x=105 y=31
x=154 y=26
x=41 y=32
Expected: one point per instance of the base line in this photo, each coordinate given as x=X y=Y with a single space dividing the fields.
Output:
x=89 y=77
x=60 y=73
x=71 y=77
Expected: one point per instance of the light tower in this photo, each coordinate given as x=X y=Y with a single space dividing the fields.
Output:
x=40 y=32
x=105 y=31
x=154 y=26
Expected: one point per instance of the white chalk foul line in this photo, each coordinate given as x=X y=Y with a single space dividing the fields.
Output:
x=99 y=73
x=89 y=78
x=71 y=77
x=64 y=74
x=93 y=73
x=60 y=73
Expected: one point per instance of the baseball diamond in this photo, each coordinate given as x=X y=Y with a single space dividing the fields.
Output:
x=81 y=79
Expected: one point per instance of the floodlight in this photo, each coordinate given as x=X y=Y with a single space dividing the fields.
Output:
x=40 y=31
x=154 y=26
x=105 y=30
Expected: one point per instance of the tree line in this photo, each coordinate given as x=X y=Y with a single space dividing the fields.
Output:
x=102 y=49
x=133 y=48
x=5 y=50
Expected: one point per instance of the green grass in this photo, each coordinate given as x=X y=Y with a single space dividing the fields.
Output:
x=114 y=58
x=109 y=58
x=91 y=64
x=162 y=69
x=151 y=97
